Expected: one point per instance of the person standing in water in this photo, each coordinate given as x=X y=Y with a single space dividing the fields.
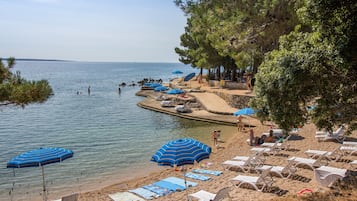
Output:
x=88 y=90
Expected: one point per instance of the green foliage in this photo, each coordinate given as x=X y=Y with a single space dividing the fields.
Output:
x=18 y=91
x=312 y=68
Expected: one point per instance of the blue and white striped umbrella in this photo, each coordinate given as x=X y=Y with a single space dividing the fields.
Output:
x=39 y=158
x=181 y=151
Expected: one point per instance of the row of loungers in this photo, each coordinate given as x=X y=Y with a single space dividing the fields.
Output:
x=164 y=186
x=318 y=162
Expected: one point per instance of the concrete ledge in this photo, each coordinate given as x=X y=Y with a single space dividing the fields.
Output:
x=192 y=116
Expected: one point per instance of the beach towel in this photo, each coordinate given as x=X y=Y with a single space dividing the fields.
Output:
x=125 y=196
x=197 y=176
x=180 y=182
x=144 y=193
x=158 y=189
x=169 y=185
x=203 y=171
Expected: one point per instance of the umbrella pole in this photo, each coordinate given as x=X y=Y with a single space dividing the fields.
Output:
x=44 y=184
x=184 y=176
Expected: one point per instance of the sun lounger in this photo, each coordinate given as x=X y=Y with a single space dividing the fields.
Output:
x=337 y=135
x=349 y=143
x=312 y=163
x=353 y=164
x=329 y=155
x=288 y=170
x=142 y=192
x=125 y=196
x=270 y=151
x=256 y=158
x=160 y=191
x=263 y=180
x=349 y=150
x=207 y=196
x=203 y=195
x=246 y=165
x=203 y=171
x=180 y=182
x=278 y=145
x=326 y=175
x=197 y=176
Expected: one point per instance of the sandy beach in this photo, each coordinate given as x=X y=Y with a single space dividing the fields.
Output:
x=236 y=145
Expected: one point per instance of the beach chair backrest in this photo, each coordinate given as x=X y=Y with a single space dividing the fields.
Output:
x=265 y=176
x=222 y=194
x=339 y=131
x=289 y=168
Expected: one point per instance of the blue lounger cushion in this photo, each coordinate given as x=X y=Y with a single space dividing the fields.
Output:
x=203 y=171
x=197 y=176
x=169 y=185
x=149 y=195
x=180 y=182
x=158 y=189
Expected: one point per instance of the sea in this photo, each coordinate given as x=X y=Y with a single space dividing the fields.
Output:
x=112 y=138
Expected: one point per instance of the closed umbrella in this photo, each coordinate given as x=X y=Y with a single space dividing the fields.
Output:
x=39 y=158
x=175 y=91
x=154 y=85
x=181 y=152
x=160 y=88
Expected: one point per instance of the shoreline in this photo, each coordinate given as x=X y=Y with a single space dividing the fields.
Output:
x=235 y=145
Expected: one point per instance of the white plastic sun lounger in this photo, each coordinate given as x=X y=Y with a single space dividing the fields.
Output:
x=329 y=155
x=256 y=158
x=203 y=195
x=326 y=175
x=263 y=180
x=353 y=164
x=242 y=165
x=337 y=135
x=289 y=169
x=312 y=163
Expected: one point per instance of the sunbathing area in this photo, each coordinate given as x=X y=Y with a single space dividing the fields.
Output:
x=303 y=162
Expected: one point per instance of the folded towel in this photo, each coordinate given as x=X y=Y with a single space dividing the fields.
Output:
x=180 y=182
x=158 y=189
x=169 y=185
x=203 y=171
x=149 y=195
x=197 y=176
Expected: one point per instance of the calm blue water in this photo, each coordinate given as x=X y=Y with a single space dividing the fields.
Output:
x=110 y=135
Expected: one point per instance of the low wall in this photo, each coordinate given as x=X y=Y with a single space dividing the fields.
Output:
x=236 y=101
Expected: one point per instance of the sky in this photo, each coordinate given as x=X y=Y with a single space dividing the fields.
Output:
x=91 y=30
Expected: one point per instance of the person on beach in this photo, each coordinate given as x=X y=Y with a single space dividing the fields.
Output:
x=239 y=123
x=88 y=90
x=214 y=138
x=251 y=137
x=270 y=138
x=219 y=139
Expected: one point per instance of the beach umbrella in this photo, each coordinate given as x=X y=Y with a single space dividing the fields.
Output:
x=175 y=91
x=181 y=152
x=244 y=111
x=160 y=88
x=39 y=158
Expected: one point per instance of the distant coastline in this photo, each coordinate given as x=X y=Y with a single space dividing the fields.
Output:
x=27 y=59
